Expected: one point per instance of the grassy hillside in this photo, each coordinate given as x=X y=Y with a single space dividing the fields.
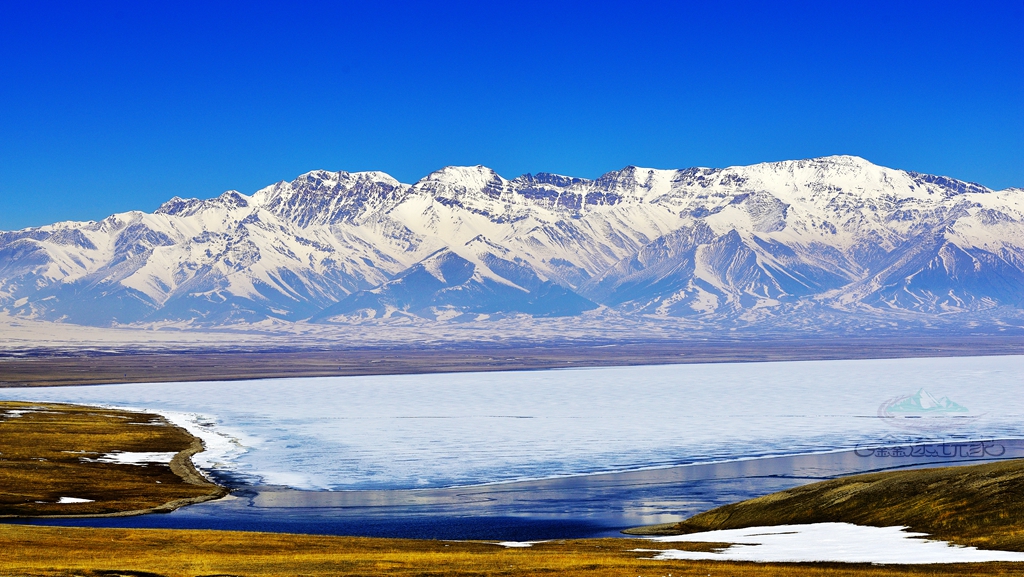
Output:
x=45 y=451
x=979 y=505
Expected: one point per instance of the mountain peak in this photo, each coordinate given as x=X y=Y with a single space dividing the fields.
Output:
x=836 y=161
x=548 y=178
x=342 y=176
x=845 y=159
x=472 y=177
x=178 y=206
x=233 y=199
x=635 y=181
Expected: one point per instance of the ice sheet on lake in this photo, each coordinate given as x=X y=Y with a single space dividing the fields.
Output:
x=408 y=431
x=841 y=542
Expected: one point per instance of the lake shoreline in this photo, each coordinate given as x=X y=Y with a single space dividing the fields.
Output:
x=181 y=465
x=583 y=506
x=69 y=461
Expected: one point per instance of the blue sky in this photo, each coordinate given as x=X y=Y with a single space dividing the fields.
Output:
x=110 y=106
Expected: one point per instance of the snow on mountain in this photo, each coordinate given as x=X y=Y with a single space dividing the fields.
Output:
x=768 y=243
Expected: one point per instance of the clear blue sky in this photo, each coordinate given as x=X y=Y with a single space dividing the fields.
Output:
x=109 y=106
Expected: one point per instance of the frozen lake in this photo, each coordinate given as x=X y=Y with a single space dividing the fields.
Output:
x=441 y=430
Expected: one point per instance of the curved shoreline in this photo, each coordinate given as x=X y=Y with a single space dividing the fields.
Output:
x=180 y=465
x=577 y=507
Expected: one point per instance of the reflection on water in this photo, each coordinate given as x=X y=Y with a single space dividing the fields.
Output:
x=580 y=506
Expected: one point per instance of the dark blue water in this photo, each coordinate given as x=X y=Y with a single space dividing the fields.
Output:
x=571 y=507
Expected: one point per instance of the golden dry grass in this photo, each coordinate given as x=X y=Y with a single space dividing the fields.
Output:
x=41 y=460
x=978 y=505
x=53 y=551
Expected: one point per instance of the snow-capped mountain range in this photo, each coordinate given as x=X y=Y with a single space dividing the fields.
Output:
x=784 y=240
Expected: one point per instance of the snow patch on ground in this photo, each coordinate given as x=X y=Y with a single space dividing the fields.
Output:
x=15 y=413
x=824 y=542
x=133 y=458
x=69 y=500
x=518 y=544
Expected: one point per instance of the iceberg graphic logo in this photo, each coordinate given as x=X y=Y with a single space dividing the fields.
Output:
x=922 y=413
x=922 y=403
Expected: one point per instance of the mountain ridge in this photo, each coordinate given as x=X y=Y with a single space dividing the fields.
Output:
x=772 y=243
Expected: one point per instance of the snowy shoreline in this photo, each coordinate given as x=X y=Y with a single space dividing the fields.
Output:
x=218 y=447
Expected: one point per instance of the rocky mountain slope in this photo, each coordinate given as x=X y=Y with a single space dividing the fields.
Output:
x=785 y=242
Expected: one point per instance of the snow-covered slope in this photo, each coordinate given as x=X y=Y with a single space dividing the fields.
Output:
x=762 y=243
